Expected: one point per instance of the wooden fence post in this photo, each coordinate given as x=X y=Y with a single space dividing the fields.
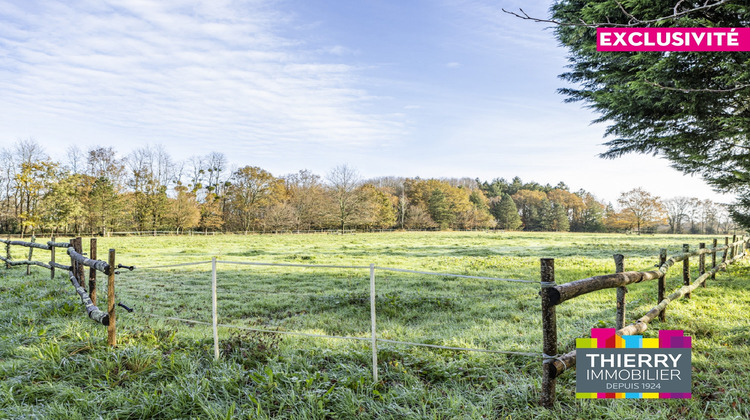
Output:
x=713 y=262
x=52 y=259
x=549 y=332
x=7 y=253
x=702 y=262
x=92 y=272
x=686 y=269
x=662 y=284
x=731 y=249
x=31 y=254
x=111 y=328
x=621 y=291
x=77 y=245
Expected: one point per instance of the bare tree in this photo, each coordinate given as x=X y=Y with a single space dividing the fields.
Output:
x=151 y=174
x=307 y=195
x=677 y=210
x=632 y=19
x=216 y=165
x=344 y=182
x=75 y=159
x=102 y=162
x=8 y=205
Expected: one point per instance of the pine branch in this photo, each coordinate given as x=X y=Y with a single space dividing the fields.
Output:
x=687 y=90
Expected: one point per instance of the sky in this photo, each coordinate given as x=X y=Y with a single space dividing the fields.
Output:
x=428 y=88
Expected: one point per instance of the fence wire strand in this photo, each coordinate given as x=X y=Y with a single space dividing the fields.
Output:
x=154 y=267
x=344 y=296
x=431 y=273
x=294 y=265
x=340 y=337
x=356 y=267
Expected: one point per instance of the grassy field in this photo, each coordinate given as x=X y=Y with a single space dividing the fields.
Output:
x=54 y=362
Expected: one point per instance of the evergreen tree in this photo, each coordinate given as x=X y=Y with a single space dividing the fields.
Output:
x=439 y=209
x=560 y=222
x=690 y=107
x=506 y=214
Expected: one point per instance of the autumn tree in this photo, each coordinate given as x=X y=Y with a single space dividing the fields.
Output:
x=417 y=217
x=60 y=206
x=105 y=206
x=478 y=215
x=642 y=208
x=32 y=183
x=211 y=217
x=529 y=204
x=252 y=189
x=280 y=216
x=184 y=210
x=377 y=210
x=444 y=202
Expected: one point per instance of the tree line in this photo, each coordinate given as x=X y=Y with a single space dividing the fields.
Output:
x=98 y=191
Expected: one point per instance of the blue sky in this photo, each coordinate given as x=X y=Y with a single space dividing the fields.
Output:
x=440 y=88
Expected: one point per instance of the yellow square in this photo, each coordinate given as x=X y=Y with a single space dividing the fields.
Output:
x=650 y=343
x=587 y=395
x=648 y=394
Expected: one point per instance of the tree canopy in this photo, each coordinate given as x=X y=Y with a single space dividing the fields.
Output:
x=690 y=107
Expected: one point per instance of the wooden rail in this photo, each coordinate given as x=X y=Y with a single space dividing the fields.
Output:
x=88 y=262
x=553 y=294
x=76 y=275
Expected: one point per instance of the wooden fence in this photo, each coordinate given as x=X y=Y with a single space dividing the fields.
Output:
x=553 y=294
x=78 y=260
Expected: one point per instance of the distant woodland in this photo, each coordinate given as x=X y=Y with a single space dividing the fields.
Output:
x=98 y=191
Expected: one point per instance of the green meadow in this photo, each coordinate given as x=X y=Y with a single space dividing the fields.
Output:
x=54 y=362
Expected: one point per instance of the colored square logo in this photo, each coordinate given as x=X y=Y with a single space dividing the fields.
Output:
x=630 y=367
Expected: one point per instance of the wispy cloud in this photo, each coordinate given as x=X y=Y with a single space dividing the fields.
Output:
x=185 y=69
x=497 y=30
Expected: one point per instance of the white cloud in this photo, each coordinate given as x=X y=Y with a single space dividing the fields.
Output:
x=184 y=69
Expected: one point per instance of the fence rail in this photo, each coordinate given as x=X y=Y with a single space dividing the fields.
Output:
x=76 y=275
x=553 y=363
x=553 y=295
